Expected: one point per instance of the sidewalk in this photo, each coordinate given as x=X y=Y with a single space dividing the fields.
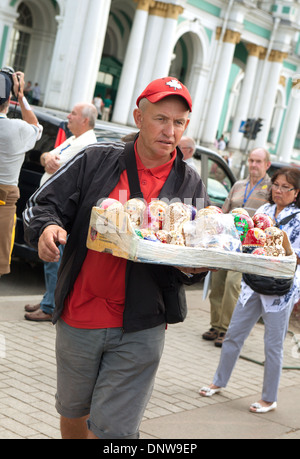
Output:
x=175 y=411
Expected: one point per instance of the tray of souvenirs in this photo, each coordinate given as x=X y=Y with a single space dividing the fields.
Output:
x=178 y=234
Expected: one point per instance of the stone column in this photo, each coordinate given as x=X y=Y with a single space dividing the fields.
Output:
x=290 y=125
x=278 y=114
x=246 y=95
x=260 y=81
x=231 y=38
x=165 y=50
x=79 y=41
x=89 y=57
x=151 y=45
x=267 y=104
x=131 y=63
x=7 y=21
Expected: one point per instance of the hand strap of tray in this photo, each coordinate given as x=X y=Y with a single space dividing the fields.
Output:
x=132 y=173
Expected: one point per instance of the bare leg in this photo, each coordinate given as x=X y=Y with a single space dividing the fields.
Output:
x=74 y=429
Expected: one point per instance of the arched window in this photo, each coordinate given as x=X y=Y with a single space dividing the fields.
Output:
x=21 y=38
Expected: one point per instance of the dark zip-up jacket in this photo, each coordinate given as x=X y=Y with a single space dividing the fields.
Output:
x=154 y=294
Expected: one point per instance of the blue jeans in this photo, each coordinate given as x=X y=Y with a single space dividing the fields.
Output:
x=50 y=273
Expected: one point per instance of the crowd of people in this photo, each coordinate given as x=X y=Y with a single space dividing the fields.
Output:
x=111 y=314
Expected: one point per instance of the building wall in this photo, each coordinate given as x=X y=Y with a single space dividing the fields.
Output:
x=239 y=59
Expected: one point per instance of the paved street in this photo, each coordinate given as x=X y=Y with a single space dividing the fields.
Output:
x=175 y=411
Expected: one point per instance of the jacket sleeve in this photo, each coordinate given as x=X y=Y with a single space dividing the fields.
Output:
x=48 y=207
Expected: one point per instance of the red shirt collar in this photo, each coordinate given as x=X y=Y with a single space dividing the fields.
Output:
x=159 y=171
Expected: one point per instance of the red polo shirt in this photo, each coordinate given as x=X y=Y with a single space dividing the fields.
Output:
x=98 y=296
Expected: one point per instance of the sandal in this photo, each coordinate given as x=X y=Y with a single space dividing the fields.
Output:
x=258 y=408
x=211 y=334
x=208 y=391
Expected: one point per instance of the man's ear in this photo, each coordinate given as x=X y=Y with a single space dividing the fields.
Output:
x=138 y=116
x=187 y=123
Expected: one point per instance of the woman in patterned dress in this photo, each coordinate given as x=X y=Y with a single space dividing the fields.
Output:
x=275 y=310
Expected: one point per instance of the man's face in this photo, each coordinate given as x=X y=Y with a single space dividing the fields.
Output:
x=257 y=163
x=76 y=120
x=161 y=127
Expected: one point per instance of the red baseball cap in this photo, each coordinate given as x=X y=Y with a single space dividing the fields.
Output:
x=164 y=87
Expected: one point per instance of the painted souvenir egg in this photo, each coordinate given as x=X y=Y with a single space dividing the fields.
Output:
x=192 y=211
x=148 y=235
x=239 y=210
x=208 y=211
x=262 y=221
x=111 y=204
x=259 y=251
x=243 y=224
x=163 y=236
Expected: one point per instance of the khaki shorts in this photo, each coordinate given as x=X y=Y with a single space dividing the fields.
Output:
x=108 y=375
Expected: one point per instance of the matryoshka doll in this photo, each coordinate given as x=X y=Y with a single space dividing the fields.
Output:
x=157 y=211
x=274 y=242
x=135 y=208
x=243 y=224
x=255 y=238
x=262 y=221
x=112 y=205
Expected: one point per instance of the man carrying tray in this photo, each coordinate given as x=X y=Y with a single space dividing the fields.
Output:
x=111 y=313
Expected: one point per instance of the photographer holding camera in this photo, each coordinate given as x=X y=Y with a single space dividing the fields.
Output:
x=16 y=138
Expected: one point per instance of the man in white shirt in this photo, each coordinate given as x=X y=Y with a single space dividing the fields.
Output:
x=16 y=138
x=81 y=122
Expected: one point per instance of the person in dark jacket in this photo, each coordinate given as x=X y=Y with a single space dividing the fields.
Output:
x=111 y=313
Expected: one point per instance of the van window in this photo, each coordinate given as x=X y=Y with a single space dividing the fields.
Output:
x=217 y=173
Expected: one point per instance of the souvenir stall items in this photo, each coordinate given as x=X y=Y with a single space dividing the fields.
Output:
x=274 y=242
x=243 y=224
x=176 y=215
x=136 y=209
x=262 y=221
x=209 y=210
x=113 y=205
x=178 y=235
x=259 y=251
x=147 y=234
x=212 y=230
x=164 y=236
x=240 y=210
x=157 y=212
x=255 y=238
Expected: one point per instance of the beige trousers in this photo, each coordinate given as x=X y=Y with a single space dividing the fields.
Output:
x=7 y=226
x=225 y=290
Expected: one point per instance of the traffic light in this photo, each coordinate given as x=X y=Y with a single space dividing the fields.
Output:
x=252 y=127
x=257 y=127
x=248 y=128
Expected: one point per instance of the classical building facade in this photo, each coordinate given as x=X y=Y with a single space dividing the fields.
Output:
x=239 y=59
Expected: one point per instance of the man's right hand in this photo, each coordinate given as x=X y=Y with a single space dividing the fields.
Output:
x=52 y=163
x=52 y=236
x=19 y=83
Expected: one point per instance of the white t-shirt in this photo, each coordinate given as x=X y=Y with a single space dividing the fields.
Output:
x=68 y=149
x=16 y=138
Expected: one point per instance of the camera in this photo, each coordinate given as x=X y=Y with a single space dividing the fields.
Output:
x=10 y=71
